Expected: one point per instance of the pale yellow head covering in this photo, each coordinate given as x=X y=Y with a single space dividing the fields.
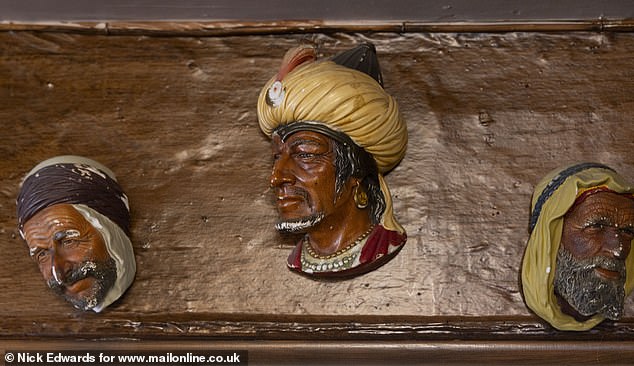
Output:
x=347 y=101
x=553 y=197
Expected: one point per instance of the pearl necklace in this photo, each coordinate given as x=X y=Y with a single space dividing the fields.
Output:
x=356 y=242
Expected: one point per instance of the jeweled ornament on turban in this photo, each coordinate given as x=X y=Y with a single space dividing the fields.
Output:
x=577 y=268
x=75 y=219
x=335 y=132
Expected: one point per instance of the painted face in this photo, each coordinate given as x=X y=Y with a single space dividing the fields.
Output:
x=303 y=178
x=601 y=225
x=596 y=239
x=71 y=255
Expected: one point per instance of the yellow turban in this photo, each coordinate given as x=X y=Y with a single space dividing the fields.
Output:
x=553 y=197
x=344 y=100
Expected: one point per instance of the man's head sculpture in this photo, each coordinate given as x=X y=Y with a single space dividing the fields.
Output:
x=75 y=219
x=577 y=268
x=335 y=132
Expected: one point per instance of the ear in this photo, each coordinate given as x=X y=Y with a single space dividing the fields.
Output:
x=352 y=183
x=347 y=191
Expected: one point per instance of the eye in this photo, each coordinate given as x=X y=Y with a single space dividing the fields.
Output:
x=628 y=230
x=69 y=242
x=40 y=255
x=598 y=224
x=305 y=155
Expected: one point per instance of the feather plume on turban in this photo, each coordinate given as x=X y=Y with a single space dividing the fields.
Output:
x=344 y=100
x=554 y=195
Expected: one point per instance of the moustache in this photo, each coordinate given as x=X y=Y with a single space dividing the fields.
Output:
x=293 y=191
x=83 y=270
x=610 y=264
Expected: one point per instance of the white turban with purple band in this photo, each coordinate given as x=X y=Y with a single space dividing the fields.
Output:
x=92 y=189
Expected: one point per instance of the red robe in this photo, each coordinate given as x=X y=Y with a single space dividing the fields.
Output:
x=380 y=246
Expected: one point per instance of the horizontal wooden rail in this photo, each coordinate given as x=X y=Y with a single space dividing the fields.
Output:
x=341 y=352
x=230 y=28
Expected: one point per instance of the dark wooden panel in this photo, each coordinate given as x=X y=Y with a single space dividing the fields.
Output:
x=344 y=352
x=487 y=114
x=278 y=10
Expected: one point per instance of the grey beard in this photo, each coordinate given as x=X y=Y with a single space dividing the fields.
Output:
x=588 y=293
x=105 y=274
x=299 y=225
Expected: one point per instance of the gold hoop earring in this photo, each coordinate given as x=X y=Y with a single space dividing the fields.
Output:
x=360 y=198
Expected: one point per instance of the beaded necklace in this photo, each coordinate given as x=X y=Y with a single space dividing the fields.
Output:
x=358 y=240
x=340 y=260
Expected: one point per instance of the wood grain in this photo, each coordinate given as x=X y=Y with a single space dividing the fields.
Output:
x=227 y=28
x=488 y=114
x=345 y=352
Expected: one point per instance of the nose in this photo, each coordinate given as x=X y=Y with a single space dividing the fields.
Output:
x=57 y=267
x=281 y=173
x=616 y=244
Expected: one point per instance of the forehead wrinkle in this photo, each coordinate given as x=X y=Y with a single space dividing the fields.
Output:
x=47 y=226
x=613 y=215
x=606 y=202
x=618 y=210
x=601 y=208
x=306 y=141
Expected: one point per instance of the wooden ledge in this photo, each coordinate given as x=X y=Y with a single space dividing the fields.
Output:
x=258 y=327
x=232 y=28
x=345 y=352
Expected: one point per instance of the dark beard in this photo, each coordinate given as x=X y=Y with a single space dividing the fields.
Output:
x=587 y=292
x=105 y=274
